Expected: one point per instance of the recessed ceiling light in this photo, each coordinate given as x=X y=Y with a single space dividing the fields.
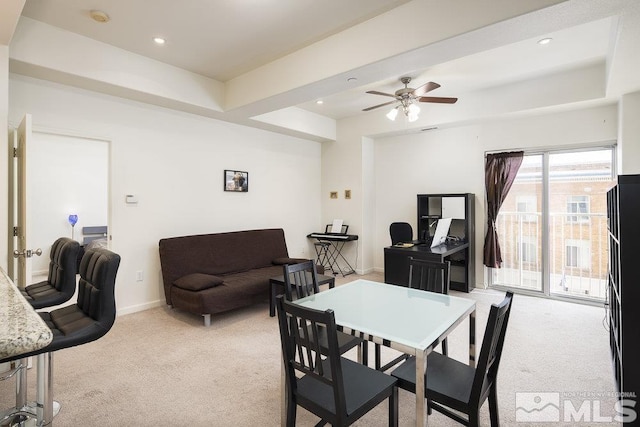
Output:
x=546 y=40
x=352 y=80
x=159 y=40
x=319 y=102
x=99 y=16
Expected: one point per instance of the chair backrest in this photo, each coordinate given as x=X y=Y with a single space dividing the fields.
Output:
x=430 y=276
x=302 y=277
x=63 y=265
x=491 y=351
x=401 y=232
x=302 y=352
x=96 y=288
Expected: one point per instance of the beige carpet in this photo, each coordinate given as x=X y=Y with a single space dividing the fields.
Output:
x=162 y=367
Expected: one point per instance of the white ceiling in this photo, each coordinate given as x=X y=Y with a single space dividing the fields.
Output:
x=226 y=39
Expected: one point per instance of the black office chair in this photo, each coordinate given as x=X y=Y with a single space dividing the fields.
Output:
x=89 y=319
x=337 y=390
x=303 y=278
x=401 y=232
x=61 y=281
x=431 y=276
x=450 y=384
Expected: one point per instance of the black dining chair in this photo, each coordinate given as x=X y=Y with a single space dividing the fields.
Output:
x=303 y=278
x=454 y=386
x=61 y=280
x=336 y=389
x=90 y=318
x=401 y=232
x=431 y=276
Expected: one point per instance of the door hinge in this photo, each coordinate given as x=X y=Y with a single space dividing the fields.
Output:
x=15 y=231
x=15 y=152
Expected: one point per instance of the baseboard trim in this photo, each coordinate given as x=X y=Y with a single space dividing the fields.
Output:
x=140 y=307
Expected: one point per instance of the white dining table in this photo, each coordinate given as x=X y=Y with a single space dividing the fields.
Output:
x=408 y=320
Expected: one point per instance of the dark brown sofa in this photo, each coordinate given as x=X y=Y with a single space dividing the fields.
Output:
x=211 y=273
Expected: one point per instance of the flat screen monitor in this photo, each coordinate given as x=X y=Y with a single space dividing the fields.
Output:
x=442 y=229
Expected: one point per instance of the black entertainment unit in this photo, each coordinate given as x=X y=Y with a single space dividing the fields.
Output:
x=459 y=248
x=623 y=211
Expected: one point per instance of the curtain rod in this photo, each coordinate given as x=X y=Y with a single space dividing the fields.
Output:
x=571 y=147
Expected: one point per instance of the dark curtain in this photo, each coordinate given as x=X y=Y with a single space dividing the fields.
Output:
x=500 y=171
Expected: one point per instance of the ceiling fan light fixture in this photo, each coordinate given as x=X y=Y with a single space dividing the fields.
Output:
x=413 y=109
x=392 y=114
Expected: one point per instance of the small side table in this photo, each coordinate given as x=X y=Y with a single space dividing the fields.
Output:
x=279 y=281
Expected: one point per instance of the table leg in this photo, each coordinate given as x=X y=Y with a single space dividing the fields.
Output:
x=421 y=369
x=472 y=339
x=272 y=298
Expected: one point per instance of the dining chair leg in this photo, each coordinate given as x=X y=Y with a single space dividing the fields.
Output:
x=445 y=347
x=291 y=413
x=393 y=408
x=493 y=406
x=365 y=353
x=377 y=356
x=474 y=418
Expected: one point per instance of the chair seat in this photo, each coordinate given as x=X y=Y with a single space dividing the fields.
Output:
x=448 y=381
x=41 y=295
x=363 y=387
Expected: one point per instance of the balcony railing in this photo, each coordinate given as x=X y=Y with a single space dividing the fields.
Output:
x=578 y=252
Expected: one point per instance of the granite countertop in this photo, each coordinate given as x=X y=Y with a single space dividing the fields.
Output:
x=22 y=330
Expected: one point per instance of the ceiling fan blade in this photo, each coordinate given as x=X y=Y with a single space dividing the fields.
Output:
x=380 y=105
x=427 y=87
x=438 y=100
x=375 y=92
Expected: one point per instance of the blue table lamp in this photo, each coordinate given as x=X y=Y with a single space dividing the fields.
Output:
x=73 y=219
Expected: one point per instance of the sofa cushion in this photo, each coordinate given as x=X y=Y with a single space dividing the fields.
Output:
x=198 y=281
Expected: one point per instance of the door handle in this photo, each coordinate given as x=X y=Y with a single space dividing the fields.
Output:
x=27 y=253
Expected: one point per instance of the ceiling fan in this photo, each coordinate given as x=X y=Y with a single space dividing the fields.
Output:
x=406 y=97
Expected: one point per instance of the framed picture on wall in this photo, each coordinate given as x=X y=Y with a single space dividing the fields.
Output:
x=236 y=181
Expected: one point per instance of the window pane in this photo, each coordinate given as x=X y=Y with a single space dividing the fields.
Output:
x=578 y=182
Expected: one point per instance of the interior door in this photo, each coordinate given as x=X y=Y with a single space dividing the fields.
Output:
x=22 y=251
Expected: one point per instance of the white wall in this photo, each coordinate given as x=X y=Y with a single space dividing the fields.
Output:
x=66 y=175
x=451 y=160
x=174 y=162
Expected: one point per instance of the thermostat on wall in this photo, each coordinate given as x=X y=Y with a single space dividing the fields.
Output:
x=131 y=199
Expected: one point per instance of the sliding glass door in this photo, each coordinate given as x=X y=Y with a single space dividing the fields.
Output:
x=552 y=226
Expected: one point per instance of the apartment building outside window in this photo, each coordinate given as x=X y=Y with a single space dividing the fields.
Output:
x=578 y=204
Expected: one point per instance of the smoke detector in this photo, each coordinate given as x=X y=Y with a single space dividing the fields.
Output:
x=99 y=16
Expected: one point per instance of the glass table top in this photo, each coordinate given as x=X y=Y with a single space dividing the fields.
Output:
x=410 y=317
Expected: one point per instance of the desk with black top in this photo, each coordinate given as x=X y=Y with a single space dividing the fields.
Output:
x=396 y=263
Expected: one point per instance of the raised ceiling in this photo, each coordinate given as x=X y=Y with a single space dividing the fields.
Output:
x=240 y=42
